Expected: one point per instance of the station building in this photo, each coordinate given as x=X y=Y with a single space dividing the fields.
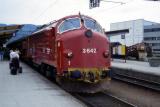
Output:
x=152 y=37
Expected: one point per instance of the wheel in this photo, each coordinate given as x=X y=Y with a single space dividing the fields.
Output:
x=53 y=73
x=47 y=71
x=42 y=68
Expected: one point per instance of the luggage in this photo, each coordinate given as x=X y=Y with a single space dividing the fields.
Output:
x=14 y=67
x=13 y=71
x=20 y=70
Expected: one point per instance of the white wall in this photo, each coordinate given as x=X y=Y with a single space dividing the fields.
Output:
x=135 y=32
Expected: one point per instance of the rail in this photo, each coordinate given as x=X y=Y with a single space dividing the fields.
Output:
x=137 y=81
x=102 y=99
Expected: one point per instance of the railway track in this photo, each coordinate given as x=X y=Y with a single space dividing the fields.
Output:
x=137 y=81
x=102 y=99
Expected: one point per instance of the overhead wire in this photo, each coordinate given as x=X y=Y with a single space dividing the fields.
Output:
x=100 y=11
x=109 y=9
x=44 y=11
x=112 y=1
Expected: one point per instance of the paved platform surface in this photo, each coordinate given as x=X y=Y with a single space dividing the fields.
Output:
x=136 y=66
x=30 y=89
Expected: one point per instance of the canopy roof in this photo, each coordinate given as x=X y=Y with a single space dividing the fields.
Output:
x=6 y=32
x=22 y=33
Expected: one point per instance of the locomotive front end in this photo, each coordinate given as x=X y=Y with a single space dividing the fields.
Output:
x=83 y=50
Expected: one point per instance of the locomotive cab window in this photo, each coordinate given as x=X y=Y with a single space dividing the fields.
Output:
x=93 y=25
x=69 y=24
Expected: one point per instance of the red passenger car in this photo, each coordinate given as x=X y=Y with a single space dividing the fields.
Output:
x=73 y=48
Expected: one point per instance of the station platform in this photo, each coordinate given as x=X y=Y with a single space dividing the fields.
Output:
x=138 y=66
x=136 y=69
x=30 y=89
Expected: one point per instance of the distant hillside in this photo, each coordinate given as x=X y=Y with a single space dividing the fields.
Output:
x=3 y=25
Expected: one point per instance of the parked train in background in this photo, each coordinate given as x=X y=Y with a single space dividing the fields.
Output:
x=140 y=51
x=73 y=49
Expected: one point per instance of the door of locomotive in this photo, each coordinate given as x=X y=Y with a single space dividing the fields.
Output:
x=59 y=58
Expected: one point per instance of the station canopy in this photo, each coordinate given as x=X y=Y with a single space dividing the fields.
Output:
x=25 y=31
x=6 y=32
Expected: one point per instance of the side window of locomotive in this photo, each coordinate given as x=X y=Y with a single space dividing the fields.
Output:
x=93 y=25
x=69 y=24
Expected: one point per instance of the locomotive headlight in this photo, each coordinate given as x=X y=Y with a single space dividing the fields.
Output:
x=68 y=54
x=106 y=54
x=88 y=33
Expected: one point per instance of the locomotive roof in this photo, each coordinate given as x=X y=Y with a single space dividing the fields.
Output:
x=46 y=27
x=49 y=26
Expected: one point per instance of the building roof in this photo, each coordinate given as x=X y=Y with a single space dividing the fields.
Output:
x=30 y=30
x=24 y=32
x=146 y=22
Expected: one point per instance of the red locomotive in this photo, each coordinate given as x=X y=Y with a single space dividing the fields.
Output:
x=73 y=49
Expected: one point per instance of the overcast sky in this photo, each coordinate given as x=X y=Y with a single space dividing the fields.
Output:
x=44 y=11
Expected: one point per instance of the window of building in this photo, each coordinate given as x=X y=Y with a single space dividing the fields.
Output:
x=156 y=49
x=155 y=44
x=158 y=38
x=152 y=30
x=150 y=38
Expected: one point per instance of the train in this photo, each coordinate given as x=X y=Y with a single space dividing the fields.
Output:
x=118 y=50
x=73 y=50
x=139 y=51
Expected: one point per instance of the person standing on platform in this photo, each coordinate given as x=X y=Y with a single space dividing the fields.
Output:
x=14 y=59
x=2 y=55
